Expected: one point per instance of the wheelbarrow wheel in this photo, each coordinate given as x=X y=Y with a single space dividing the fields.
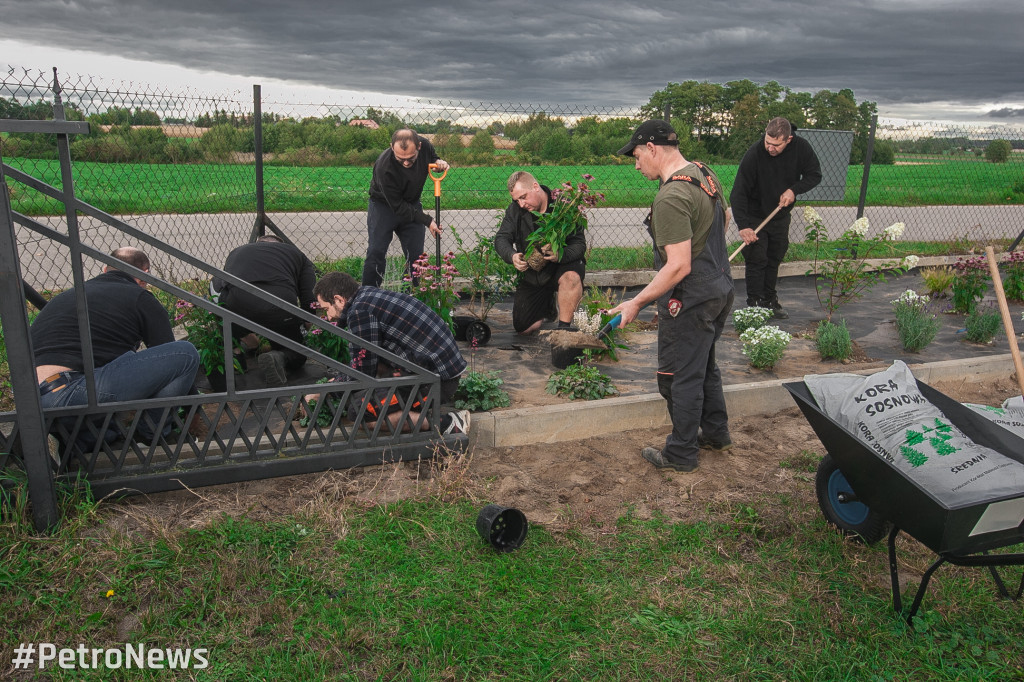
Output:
x=841 y=508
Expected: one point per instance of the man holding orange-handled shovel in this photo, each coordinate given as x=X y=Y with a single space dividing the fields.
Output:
x=396 y=186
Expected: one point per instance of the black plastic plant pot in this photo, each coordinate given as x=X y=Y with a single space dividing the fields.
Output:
x=563 y=357
x=462 y=323
x=478 y=333
x=504 y=528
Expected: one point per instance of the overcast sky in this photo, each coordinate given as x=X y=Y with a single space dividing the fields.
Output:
x=929 y=59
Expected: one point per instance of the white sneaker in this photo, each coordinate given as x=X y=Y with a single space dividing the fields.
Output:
x=459 y=423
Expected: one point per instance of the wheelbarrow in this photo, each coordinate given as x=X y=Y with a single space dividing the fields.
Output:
x=867 y=497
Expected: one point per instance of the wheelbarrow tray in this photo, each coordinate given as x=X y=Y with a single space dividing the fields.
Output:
x=946 y=530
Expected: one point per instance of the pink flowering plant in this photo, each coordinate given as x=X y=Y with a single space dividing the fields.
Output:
x=325 y=342
x=434 y=285
x=568 y=214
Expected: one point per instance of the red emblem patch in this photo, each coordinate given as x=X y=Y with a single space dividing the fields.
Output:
x=674 y=306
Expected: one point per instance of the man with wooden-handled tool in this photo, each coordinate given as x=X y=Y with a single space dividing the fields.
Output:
x=395 y=206
x=771 y=174
x=694 y=292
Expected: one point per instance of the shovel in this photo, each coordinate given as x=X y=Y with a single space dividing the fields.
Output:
x=763 y=223
x=437 y=205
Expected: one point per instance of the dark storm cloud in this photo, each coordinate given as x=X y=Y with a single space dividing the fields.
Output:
x=595 y=52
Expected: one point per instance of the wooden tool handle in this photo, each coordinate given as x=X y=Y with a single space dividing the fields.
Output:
x=763 y=223
x=1011 y=335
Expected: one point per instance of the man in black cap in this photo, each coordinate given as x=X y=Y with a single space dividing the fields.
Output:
x=773 y=171
x=395 y=208
x=694 y=292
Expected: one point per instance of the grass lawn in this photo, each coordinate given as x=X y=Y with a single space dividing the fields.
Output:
x=136 y=189
x=353 y=590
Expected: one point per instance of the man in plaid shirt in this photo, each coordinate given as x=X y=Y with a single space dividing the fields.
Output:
x=401 y=324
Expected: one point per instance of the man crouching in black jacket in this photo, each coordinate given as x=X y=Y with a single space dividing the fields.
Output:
x=563 y=273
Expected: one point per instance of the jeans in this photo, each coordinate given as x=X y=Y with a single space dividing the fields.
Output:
x=163 y=371
x=382 y=225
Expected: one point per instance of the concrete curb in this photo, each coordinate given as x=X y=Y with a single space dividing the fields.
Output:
x=575 y=421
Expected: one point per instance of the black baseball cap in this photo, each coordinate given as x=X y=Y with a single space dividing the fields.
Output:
x=655 y=131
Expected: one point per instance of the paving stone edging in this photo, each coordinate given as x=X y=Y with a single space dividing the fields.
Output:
x=578 y=420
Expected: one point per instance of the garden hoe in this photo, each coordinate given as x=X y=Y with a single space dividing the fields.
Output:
x=763 y=223
x=437 y=206
x=614 y=322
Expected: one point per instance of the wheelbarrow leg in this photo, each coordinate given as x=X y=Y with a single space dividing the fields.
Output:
x=897 y=597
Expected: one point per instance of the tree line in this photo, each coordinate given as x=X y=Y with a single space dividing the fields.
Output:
x=716 y=123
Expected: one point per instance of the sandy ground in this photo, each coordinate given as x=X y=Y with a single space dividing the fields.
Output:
x=582 y=485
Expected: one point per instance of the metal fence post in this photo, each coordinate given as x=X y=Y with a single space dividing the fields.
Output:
x=31 y=425
x=867 y=167
x=259 y=228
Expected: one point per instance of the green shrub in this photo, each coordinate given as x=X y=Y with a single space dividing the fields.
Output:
x=764 y=347
x=833 y=341
x=982 y=325
x=1013 y=280
x=969 y=283
x=998 y=151
x=915 y=325
x=480 y=392
x=578 y=382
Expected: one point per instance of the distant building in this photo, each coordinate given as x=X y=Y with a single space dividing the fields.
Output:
x=365 y=122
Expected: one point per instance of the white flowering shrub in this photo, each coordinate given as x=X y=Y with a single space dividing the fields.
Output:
x=586 y=323
x=752 y=317
x=764 y=346
x=841 y=265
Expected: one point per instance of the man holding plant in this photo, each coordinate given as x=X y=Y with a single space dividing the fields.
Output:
x=694 y=292
x=773 y=171
x=555 y=268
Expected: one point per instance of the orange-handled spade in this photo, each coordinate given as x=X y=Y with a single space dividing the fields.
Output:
x=437 y=205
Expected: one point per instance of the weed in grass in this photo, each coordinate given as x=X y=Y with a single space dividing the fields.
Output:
x=982 y=325
x=805 y=461
x=833 y=341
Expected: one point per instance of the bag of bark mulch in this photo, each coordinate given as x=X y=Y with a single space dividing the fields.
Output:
x=1010 y=418
x=887 y=412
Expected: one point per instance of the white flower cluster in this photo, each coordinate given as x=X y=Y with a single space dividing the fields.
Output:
x=764 y=336
x=910 y=262
x=910 y=299
x=588 y=324
x=894 y=231
x=750 y=318
x=860 y=226
x=810 y=215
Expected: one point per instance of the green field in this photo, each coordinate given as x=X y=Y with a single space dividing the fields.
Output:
x=136 y=189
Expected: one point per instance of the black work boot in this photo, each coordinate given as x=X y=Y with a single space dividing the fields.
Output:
x=777 y=310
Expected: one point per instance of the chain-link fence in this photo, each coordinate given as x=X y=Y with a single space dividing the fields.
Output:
x=201 y=171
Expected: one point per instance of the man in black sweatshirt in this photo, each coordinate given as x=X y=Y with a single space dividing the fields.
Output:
x=773 y=171
x=280 y=269
x=395 y=207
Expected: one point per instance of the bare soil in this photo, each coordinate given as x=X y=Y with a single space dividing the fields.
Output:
x=584 y=485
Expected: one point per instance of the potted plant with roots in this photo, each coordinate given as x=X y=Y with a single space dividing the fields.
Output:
x=569 y=204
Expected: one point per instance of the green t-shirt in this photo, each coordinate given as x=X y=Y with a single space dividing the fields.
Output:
x=682 y=211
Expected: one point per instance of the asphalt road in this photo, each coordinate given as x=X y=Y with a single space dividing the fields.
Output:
x=209 y=237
